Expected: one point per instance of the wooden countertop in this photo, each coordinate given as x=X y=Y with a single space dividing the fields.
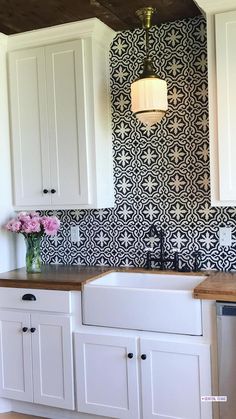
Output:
x=217 y=286
x=66 y=277
x=53 y=277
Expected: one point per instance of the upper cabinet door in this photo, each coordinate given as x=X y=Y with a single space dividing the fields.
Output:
x=226 y=92
x=29 y=127
x=67 y=123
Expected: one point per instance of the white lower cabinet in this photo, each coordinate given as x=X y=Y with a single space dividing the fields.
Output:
x=174 y=376
x=16 y=381
x=36 y=363
x=169 y=377
x=107 y=375
x=53 y=360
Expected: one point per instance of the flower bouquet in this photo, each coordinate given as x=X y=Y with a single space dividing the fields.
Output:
x=33 y=226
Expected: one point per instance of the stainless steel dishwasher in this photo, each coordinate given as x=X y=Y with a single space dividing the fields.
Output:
x=226 y=330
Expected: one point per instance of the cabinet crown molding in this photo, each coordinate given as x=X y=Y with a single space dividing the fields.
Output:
x=3 y=39
x=215 y=6
x=82 y=29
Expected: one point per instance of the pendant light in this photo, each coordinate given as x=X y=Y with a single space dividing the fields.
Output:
x=148 y=92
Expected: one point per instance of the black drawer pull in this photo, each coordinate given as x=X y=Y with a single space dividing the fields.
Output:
x=143 y=357
x=33 y=329
x=29 y=297
x=130 y=355
x=24 y=329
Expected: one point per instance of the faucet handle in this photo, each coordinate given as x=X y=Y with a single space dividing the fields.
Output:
x=176 y=260
x=197 y=260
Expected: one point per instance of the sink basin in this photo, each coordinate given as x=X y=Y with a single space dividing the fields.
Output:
x=144 y=301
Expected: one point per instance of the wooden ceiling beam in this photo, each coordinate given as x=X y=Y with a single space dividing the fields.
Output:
x=20 y=16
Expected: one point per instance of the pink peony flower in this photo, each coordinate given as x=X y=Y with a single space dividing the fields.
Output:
x=14 y=225
x=34 y=214
x=51 y=225
x=33 y=223
x=23 y=217
x=31 y=226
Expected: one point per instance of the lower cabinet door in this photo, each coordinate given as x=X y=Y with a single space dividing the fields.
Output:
x=107 y=375
x=15 y=356
x=52 y=360
x=174 y=376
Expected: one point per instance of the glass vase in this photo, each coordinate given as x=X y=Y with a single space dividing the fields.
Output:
x=33 y=259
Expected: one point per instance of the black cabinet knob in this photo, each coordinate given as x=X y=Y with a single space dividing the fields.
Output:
x=144 y=356
x=29 y=297
x=130 y=355
x=24 y=329
x=53 y=190
x=33 y=329
x=45 y=191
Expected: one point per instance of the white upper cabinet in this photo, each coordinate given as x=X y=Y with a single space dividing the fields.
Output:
x=29 y=127
x=60 y=117
x=221 y=30
x=221 y=36
x=67 y=126
x=225 y=31
x=215 y=6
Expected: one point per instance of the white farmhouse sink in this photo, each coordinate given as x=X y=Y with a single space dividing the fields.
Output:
x=144 y=301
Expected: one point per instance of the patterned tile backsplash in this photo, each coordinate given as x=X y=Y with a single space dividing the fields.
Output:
x=161 y=173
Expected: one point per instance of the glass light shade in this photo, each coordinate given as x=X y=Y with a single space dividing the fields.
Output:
x=149 y=99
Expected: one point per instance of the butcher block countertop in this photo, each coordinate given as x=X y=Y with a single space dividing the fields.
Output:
x=217 y=286
x=66 y=277
x=53 y=277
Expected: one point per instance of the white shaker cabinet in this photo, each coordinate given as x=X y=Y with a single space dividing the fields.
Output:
x=52 y=360
x=68 y=138
x=173 y=377
x=222 y=107
x=30 y=152
x=60 y=122
x=107 y=375
x=36 y=357
x=16 y=380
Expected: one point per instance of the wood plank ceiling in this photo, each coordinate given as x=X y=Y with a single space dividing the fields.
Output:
x=24 y=15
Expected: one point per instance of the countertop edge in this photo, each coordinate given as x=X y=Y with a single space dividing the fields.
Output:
x=214 y=285
x=214 y=297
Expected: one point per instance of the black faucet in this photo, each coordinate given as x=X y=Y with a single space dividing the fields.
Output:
x=161 y=260
x=197 y=261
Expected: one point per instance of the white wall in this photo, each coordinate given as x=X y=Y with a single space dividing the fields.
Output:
x=11 y=250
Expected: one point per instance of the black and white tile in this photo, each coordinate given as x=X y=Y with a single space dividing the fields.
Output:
x=161 y=173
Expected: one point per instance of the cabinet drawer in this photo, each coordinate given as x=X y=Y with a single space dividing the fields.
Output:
x=56 y=301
